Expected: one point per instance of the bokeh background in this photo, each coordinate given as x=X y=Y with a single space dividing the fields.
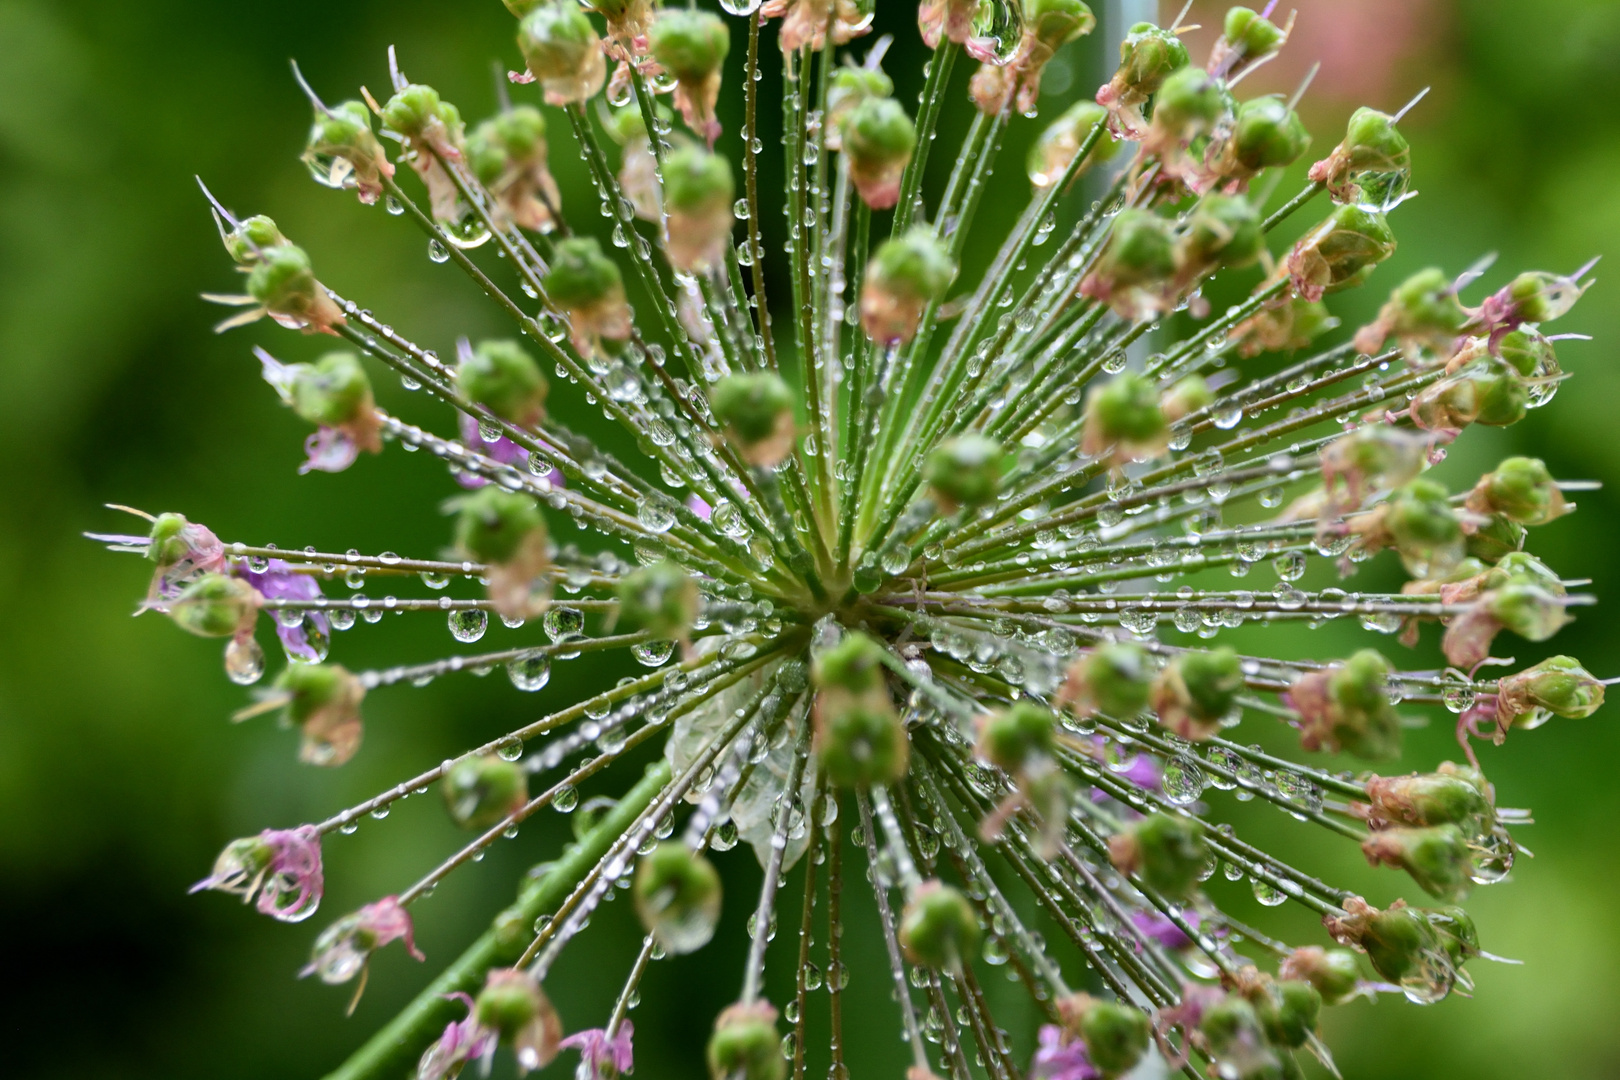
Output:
x=120 y=777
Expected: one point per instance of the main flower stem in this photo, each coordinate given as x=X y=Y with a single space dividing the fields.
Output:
x=393 y=1050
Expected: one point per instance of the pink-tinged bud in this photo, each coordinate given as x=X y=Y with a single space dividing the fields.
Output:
x=586 y=285
x=514 y=1007
x=607 y=1056
x=1437 y=858
x=692 y=46
x=1347 y=707
x=1062 y=1056
x=463 y=1041
x=1558 y=686
x=1333 y=972
x=508 y=155
x=698 y=189
x=180 y=550
x=1373 y=458
x=1196 y=693
x=1424 y=316
x=1371 y=166
x=1453 y=794
x=433 y=134
x=344 y=949
x=804 y=22
x=343 y=151
x=952 y=19
x=282 y=867
x=1528 y=609
x=877 y=139
x=562 y=50
x=1054 y=151
x=1520 y=489
x=1533 y=297
x=906 y=274
x=335 y=395
x=1341 y=252
x=1289 y=323
x=1048 y=26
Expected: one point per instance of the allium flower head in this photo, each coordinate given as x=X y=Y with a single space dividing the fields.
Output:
x=924 y=554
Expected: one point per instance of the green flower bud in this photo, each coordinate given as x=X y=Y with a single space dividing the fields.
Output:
x=1223 y=230
x=1436 y=857
x=494 y=525
x=661 y=599
x=1528 y=610
x=516 y=135
x=483 y=791
x=1521 y=566
x=1289 y=1012
x=581 y=275
x=1189 y=103
x=515 y=1008
x=904 y=276
x=1237 y=1041
x=878 y=138
x=855 y=665
x=333 y=391
x=1197 y=691
x=1013 y=737
x=1341 y=252
x=965 y=471
x=1168 y=853
x=1520 y=489
x=1530 y=354
x=690 y=45
x=1055 y=148
x=1136 y=271
x=1116 y=1035
x=1292 y=324
x=1333 y=973
x=503 y=377
x=1267 y=134
x=251 y=237
x=677 y=897
x=1373 y=144
x=698 y=189
x=1186 y=397
x=561 y=49
x=283 y=282
x=173 y=540
x=323 y=702
x=1423 y=527
x=1487 y=391
x=216 y=605
x=1399 y=942
x=745 y=1045
x=1458 y=935
x=756 y=412
x=1250 y=34
x=342 y=149
x=1146 y=57
x=849 y=87
x=1055 y=23
x=1498 y=537
x=859 y=741
x=414 y=110
x=1112 y=679
x=1362 y=719
x=1451 y=796
x=1124 y=413
x=1558 y=686
x=939 y=928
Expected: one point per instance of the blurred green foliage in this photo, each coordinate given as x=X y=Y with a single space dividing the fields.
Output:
x=119 y=777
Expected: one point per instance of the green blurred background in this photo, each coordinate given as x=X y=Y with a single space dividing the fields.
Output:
x=119 y=777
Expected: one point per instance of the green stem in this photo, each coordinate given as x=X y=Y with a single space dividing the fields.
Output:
x=393 y=1051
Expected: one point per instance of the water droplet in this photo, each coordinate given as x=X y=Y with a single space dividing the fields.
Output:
x=566 y=799
x=1183 y=780
x=437 y=252
x=561 y=622
x=468 y=625
x=1266 y=893
x=244 y=661
x=529 y=673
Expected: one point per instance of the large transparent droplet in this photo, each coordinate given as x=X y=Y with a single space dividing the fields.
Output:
x=244 y=661
x=468 y=624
